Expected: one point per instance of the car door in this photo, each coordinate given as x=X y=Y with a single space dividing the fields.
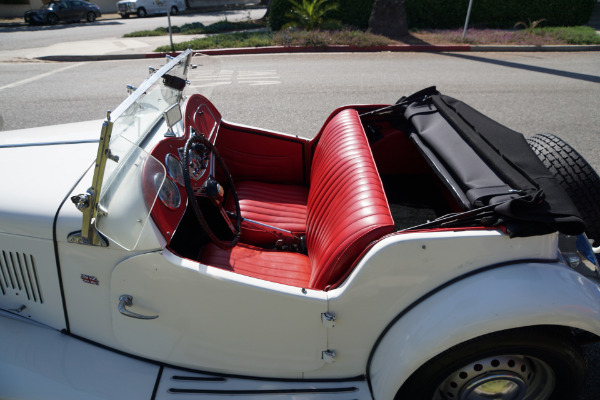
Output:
x=78 y=9
x=157 y=6
x=207 y=318
x=65 y=11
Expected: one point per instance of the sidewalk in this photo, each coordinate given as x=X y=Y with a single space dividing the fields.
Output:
x=92 y=50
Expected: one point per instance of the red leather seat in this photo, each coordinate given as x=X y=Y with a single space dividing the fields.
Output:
x=288 y=268
x=346 y=210
x=282 y=206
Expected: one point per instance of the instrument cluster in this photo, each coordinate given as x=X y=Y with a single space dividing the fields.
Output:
x=200 y=118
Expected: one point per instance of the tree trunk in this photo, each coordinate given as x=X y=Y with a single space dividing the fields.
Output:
x=388 y=18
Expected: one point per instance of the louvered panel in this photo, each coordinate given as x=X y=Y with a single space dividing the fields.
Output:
x=18 y=276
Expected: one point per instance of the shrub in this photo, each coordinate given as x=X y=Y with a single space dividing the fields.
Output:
x=223 y=40
x=355 y=13
x=435 y=14
x=310 y=14
x=277 y=16
x=350 y=12
x=288 y=37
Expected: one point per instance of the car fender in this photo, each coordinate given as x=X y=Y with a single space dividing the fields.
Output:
x=495 y=299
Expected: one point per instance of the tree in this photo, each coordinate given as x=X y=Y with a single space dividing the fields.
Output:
x=388 y=18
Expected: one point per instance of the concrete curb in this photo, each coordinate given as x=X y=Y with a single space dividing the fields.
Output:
x=395 y=48
x=330 y=49
x=558 y=48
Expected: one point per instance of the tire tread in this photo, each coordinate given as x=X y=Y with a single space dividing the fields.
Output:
x=575 y=175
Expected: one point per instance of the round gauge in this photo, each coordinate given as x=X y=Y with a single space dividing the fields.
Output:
x=175 y=169
x=168 y=193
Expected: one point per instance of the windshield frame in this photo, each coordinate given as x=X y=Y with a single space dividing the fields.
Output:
x=88 y=203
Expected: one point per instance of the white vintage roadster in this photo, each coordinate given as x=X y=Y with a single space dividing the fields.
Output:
x=411 y=251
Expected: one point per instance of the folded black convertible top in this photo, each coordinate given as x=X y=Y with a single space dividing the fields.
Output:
x=486 y=164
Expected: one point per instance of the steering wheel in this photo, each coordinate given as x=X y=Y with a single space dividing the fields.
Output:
x=211 y=189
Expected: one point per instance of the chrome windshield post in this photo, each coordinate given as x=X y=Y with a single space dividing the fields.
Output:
x=88 y=203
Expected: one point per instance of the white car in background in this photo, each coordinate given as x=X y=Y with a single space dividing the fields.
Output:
x=143 y=8
x=412 y=251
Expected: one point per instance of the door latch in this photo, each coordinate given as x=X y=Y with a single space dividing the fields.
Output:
x=126 y=300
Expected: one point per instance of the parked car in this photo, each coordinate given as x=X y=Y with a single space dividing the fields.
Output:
x=417 y=250
x=143 y=8
x=64 y=10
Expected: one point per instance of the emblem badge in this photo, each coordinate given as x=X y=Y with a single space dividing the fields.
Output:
x=92 y=280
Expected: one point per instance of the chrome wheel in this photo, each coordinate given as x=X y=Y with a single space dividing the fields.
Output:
x=534 y=363
x=506 y=377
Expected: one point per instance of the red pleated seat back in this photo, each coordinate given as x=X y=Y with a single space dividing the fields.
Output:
x=347 y=207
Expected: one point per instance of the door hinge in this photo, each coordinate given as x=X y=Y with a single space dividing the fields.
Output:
x=328 y=356
x=328 y=319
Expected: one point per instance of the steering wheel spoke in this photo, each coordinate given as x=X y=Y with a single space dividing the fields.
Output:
x=199 y=148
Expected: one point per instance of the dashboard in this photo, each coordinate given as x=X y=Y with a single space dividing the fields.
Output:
x=200 y=117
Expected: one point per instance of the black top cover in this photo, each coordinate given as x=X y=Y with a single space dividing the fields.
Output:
x=486 y=164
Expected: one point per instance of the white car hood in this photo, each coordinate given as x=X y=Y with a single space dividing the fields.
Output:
x=39 y=167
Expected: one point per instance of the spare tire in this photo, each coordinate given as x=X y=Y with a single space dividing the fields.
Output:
x=575 y=175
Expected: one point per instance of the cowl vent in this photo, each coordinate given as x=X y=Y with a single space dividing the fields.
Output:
x=18 y=276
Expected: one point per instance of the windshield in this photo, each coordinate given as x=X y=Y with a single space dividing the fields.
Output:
x=123 y=207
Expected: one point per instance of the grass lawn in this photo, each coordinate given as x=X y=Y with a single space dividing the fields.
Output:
x=225 y=34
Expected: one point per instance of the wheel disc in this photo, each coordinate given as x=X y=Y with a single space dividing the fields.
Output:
x=52 y=19
x=506 y=377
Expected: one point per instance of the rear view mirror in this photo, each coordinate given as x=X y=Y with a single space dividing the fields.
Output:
x=172 y=116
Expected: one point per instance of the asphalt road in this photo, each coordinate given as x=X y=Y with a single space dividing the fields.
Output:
x=529 y=92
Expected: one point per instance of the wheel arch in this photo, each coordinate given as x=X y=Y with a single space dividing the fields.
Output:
x=480 y=304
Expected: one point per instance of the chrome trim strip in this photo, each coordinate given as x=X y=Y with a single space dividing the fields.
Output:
x=6 y=146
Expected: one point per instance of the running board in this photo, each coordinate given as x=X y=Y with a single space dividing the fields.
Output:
x=176 y=384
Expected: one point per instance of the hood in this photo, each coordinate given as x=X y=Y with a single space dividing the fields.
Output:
x=39 y=168
x=37 y=11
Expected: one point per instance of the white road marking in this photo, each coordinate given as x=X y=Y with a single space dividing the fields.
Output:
x=40 y=76
x=227 y=77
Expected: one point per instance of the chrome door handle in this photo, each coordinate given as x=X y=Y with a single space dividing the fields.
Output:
x=126 y=300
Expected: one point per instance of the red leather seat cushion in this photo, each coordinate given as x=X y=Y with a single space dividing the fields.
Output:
x=282 y=206
x=276 y=266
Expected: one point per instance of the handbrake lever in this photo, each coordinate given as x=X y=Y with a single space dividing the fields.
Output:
x=286 y=240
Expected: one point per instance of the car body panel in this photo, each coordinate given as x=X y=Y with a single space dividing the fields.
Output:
x=38 y=362
x=29 y=282
x=480 y=304
x=427 y=260
x=245 y=323
x=65 y=367
x=210 y=386
x=132 y=7
x=22 y=213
